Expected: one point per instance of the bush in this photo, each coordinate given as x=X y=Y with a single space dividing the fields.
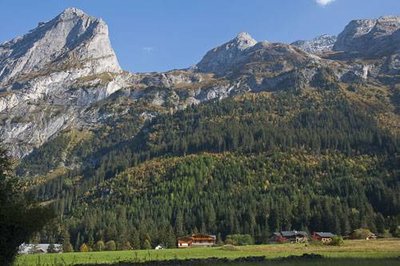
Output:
x=111 y=246
x=99 y=246
x=361 y=233
x=396 y=231
x=84 y=248
x=337 y=241
x=124 y=246
x=239 y=240
x=386 y=234
x=67 y=248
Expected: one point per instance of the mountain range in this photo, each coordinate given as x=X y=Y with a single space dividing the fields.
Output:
x=313 y=124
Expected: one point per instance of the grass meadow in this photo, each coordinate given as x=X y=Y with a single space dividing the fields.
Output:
x=354 y=252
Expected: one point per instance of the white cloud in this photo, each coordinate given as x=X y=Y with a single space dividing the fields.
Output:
x=324 y=2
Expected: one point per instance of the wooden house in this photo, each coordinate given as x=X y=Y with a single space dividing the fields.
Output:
x=290 y=236
x=197 y=240
x=185 y=242
x=324 y=237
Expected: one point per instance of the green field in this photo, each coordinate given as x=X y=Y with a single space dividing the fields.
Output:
x=354 y=252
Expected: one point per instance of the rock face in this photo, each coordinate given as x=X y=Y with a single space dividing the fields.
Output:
x=370 y=37
x=64 y=75
x=227 y=55
x=245 y=56
x=43 y=76
x=71 y=40
x=318 y=45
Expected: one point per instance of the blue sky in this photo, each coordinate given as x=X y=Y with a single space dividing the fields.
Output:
x=159 y=35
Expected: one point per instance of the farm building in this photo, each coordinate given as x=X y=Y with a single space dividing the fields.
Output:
x=185 y=242
x=324 y=237
x=290 y=236
x=196 y=240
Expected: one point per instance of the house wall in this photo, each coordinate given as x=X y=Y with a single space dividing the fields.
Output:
x=326 y=240
x=183 y=244
x=203 y=243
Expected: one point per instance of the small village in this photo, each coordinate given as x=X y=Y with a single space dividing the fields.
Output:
x=206 y=240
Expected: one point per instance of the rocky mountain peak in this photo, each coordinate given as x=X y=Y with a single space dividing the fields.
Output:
x=44 y=73
x=370 y=37
x=72 y=40
x=223 y=57
x=317 y=45
x=72 y=12
x=243 y=41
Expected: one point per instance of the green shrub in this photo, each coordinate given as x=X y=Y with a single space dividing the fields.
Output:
x=396 y=231
x=337 y=241
x=239 y=240
x=124 y=246
x=99 y=246
x=111 y=246
x=361 y=233
x=314 y=242
x=386 y=234
x=67 y=248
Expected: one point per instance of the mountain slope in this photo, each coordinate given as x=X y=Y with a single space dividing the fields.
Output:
x=43 y=73
x=318 y=45
x=370 y=37
x=257 y=130
x=272 y=156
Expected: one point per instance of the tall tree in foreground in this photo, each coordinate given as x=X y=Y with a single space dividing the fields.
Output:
x=19 y=217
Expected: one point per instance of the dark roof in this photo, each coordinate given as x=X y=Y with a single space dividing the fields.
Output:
x=293 y=233
x=325 y=234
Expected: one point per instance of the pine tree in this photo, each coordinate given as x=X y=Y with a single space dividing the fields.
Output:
x=146 y=244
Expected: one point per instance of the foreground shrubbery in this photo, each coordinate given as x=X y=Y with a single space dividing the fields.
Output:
x=20 y=218
x=239 y=240
x=337 y=241
x=361 y=233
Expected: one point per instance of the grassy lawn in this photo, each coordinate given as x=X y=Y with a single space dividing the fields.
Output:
x=354 y=249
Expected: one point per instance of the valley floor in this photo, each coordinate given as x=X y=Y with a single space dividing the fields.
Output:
x=353 y=252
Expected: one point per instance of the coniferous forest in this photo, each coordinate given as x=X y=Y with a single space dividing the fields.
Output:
x=252 y=164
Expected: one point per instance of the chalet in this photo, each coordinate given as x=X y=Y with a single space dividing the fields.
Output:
x=290 y=236
x=324 y=237
x=185 y=242
x=197 y=240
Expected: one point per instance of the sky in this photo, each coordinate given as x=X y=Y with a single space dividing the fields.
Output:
x=160 y=35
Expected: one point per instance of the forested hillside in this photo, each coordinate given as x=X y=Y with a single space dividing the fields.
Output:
x=256 y=137
x=311 y=160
